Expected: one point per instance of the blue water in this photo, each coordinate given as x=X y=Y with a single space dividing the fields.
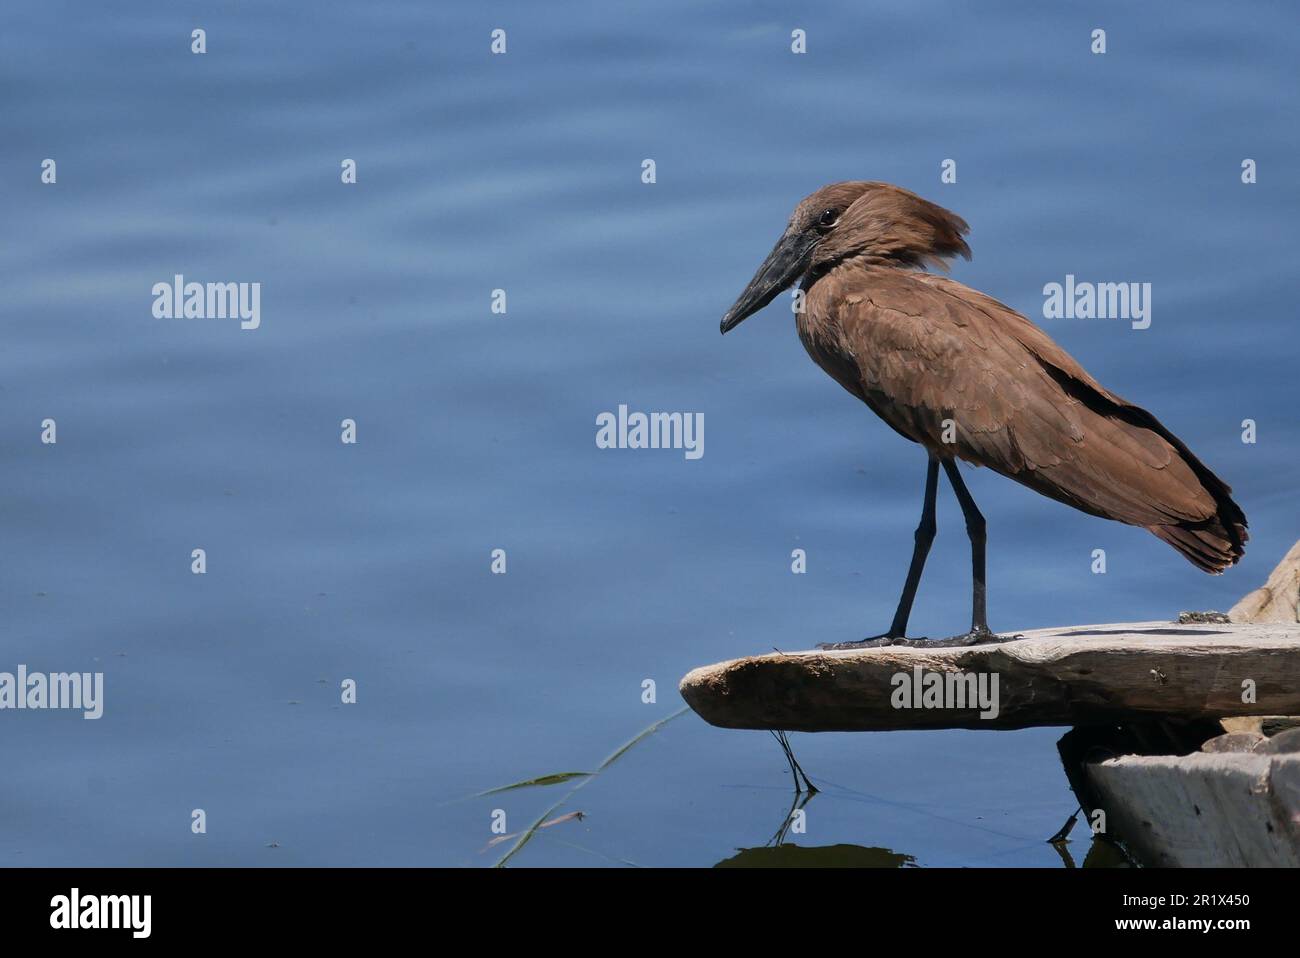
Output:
x=522 y=172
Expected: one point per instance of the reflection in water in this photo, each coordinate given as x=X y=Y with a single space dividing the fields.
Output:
x=1101 y=854
x=1106 y=854
x=801 y=799
x=777 y=854
x=824 y=856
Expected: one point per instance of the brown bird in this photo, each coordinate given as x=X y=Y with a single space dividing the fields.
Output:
x=969 y=378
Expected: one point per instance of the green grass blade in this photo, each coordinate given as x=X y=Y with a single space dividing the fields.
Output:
x=556 y=779
x=622 y=750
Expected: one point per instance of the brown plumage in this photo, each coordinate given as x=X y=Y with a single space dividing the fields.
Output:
x=922 y=350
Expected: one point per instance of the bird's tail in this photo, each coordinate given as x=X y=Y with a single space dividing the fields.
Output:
x=1211 y=544
x=1211 y=541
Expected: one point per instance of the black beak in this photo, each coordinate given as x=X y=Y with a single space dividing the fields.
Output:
x=788 y=261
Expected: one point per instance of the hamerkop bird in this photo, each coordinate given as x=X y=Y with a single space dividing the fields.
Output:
x=968 y=378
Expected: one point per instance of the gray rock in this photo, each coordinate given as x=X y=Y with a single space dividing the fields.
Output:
x=1280 y=744
x=1234 y=742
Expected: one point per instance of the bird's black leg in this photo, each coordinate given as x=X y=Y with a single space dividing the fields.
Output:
x=924 y=536
x=975 y=528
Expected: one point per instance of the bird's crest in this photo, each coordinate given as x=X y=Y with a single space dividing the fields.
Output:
x=887 y=224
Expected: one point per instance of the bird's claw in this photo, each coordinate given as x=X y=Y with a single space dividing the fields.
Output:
x=973 y=637
x=873 y=642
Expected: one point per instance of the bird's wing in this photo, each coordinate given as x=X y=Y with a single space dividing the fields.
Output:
x=933 y=353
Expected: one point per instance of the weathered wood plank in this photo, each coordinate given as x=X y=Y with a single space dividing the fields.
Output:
x=1204 y=810
x=1065 y=676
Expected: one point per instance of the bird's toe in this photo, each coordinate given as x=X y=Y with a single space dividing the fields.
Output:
x=872 y=642
x=977 y=637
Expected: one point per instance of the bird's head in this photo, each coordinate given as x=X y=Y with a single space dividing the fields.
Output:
x=874 y=223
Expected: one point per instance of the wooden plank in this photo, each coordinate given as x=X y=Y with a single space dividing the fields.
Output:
x=1212 y=809
x=1063 y=676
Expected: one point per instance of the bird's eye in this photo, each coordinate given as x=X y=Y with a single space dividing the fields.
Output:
x=828 y=219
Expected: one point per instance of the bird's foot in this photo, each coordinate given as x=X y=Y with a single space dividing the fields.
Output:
x=978 y=636
x=973 y=637
x=874 y=642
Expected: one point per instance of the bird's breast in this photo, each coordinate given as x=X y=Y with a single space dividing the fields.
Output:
x=820 y=335
x=840 y=337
